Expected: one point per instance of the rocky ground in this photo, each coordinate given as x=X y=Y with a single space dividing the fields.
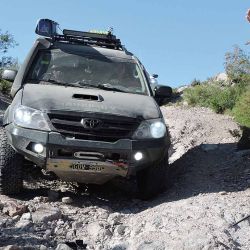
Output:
x=203 y=208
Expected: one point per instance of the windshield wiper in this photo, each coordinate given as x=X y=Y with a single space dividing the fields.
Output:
x=84 y=84
x=104 y=86
x=55 y=82
x=107 y=86
x=63 y=83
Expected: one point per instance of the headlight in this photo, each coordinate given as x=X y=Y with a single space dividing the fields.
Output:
x=30 y=118
x=150 y=129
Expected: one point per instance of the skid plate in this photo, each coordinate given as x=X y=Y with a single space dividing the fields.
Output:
x=85 y=171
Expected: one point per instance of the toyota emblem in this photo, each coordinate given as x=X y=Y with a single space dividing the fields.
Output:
x=90 y=123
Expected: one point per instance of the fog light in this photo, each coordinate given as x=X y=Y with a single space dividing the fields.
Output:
x=138 y=156
x=38 y=148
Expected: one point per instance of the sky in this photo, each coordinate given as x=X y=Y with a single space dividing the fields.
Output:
x=177 y=39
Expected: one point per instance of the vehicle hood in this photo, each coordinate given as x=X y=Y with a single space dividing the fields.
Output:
x=54 y=97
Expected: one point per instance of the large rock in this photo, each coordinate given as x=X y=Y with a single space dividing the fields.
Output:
x=181 y=89
x=77 y=225
x=94 y=229
x=26 y=216
x=12 y=209
x=62 y=246
x=221 y=77
x=152 y=245
x=115 y=218
x=45 y=214
x=24 y=224
x=120 y=230
x=67 y=200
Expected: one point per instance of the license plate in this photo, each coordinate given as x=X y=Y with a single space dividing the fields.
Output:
x=86 y=167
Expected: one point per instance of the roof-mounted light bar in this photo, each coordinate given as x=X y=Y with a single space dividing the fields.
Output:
x=108 y=36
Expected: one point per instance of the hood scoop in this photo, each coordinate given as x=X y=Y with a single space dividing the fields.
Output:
x=86 y=97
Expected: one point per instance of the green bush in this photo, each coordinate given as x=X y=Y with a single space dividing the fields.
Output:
x=5 y=86
x=241 y=111
x=226 y=98
x=213 y=96
x=198 y=95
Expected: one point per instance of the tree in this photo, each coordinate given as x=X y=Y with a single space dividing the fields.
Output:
x=195 y=82
x=237 y=64
x=7 y=41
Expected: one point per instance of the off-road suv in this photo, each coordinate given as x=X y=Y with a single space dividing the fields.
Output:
x=83 y=108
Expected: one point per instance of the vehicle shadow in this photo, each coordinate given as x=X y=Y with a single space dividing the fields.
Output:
x=208 y=168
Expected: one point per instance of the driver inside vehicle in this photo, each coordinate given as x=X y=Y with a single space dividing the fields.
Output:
x=59 y=67
x=64 y=74
x=125 y=75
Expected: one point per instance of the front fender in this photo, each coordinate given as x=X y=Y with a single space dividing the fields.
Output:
x=8 y=115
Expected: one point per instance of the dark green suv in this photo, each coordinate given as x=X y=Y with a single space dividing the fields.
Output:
x=83 y=108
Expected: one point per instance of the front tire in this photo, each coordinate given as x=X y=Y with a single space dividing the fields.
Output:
x=11 y=165
x=154 y=179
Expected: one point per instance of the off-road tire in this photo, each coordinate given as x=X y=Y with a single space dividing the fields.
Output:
x=154 y=179
x=11 y=165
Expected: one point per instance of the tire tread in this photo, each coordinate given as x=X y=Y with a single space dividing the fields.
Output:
x=154 y=179
x=11 y=163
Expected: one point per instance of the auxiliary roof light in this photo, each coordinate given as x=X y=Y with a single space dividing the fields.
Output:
x=46 y=27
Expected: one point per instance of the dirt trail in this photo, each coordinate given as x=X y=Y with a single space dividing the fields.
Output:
x=210 y=193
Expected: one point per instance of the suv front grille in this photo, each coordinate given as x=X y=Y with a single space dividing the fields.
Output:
x=112 y=127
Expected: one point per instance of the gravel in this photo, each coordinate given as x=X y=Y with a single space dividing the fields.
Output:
x=209 y=195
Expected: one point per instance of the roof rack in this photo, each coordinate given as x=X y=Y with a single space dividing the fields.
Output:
x=49 y=28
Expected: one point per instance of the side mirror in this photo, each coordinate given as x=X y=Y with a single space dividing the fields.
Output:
x=9 y=75
x=155 y=75
x=163 y=94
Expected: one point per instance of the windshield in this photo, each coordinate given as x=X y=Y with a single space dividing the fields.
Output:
x=58 y=67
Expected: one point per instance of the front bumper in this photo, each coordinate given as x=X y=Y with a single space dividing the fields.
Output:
x=62 y=151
